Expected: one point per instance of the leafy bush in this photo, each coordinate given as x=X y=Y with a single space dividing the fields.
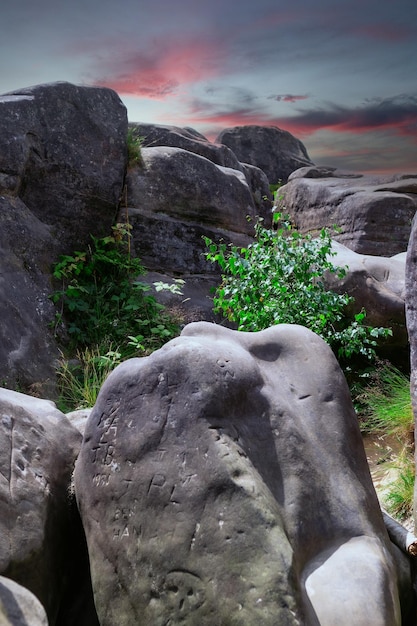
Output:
x=279 y=278
x=102 y=301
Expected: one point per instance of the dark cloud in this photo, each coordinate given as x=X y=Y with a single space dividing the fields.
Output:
x=288 y=97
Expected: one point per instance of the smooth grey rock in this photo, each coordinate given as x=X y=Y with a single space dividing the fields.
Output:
x=377 y=285
x=223 y=480
x=373 y=214
x=38 y=448
x=18 y=606
x=189 y=187
x=152 y=135
x=273 y=150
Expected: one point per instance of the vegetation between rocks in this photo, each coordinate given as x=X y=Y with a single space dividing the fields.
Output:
x=105 y=313
x=279 y=278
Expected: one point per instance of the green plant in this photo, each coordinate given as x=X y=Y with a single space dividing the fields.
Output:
x=80 y=379
x=279 y=278
x=400 y=492
x=386 y=404
x=134 y=147
x=102 y=301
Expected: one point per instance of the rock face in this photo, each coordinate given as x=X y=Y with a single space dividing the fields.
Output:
x=223 y=480
x=175 y=198
x=19 y=607
x=411 y=320
x=276 y=152
x=377 y=285
x=62 y=161
x=39 y=539
x=63 y=153
x=373 y=214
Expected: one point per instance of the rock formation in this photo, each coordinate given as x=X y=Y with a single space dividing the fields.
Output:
x=18 y=606
x=41 y=541
x=62 y=161
x=372 y=214
x=223 y=480
x=275 y=151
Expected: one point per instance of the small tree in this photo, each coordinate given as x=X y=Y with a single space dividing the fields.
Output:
x=279 y=278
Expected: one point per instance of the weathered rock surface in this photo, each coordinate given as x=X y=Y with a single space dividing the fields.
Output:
x=411 y=321
x=175 y=198
x=18 y=606
x=39 y=537
x=377 y=285
x=152 y=135
x=223 y=480
x=276 y=152
x=62 y=161
x=373 y=214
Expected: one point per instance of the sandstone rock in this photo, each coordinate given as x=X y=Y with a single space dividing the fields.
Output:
x=175 y=199
x=373 y=214
x=62 y=162
x=27 y=348
x=153 y=135
x=275 y=151
x=37 y=541
x=411 y=321
x=377 y=285
x=223 y=480
x=18 y=606
x=187 y=138
x=189 y=187
x=63 y=152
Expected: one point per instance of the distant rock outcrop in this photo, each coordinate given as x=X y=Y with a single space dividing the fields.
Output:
x=276 y=152
x=373 y=214
x=223 y=479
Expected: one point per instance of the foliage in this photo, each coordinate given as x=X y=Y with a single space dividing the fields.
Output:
x=386 y=411
x=134 y=145
x=103 y=302
x=399 y=497
x=80 y=380
x=279 y=278
x=386 y=404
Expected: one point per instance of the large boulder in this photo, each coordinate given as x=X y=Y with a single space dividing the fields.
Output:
x=152 y=135
x=175 y=198
x=63 y=152
x=273 y=150
x=372 y=214
x=411 y=320
x=39 y=537
x=18 y=606
x=377 y=284
x=223 y=480
x=63 y=156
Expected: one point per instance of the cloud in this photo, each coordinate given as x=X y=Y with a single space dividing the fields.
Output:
x=288 y=97
x=396 y=115
x=162 y=69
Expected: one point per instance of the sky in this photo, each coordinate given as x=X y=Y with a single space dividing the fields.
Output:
x=339 y=75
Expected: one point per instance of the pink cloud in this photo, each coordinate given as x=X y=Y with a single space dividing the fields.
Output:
x=159 y=72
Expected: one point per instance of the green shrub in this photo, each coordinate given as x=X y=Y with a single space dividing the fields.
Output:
x=102 y=301
x=134 y=147
x=279 y=278
x=400 y=492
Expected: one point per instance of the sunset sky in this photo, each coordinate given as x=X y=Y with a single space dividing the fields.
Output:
x=339 y=75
